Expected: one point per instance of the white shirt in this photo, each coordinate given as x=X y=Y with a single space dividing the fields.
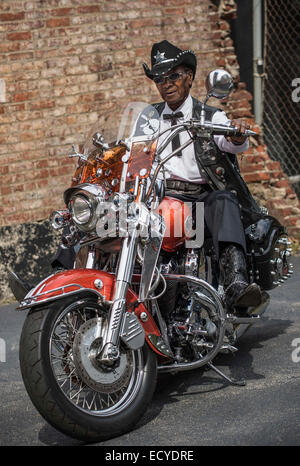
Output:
x=185 y=167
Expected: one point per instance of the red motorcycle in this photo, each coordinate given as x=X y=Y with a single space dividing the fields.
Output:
x=140 y=297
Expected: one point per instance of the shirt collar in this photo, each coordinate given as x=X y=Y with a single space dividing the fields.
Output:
x=185 y=107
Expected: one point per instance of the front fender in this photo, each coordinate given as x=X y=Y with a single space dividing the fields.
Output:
x=96 y=282
x=67 y=283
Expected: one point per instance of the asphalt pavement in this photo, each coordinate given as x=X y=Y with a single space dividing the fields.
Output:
x=194 y=408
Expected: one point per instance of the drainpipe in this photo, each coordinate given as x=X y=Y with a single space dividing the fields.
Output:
x=257 y=59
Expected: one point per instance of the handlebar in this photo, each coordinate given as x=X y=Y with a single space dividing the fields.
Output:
x=203 y=130
x=209 y=128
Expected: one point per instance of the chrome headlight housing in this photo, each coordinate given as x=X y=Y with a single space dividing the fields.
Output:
x=82 y=202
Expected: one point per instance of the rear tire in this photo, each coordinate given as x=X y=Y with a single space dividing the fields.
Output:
x=57 y=390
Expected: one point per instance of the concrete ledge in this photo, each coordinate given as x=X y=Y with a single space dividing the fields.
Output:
x=27 y=249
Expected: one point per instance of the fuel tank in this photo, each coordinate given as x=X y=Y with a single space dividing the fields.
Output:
x=178 y=220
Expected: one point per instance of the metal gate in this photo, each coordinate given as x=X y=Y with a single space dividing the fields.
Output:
x=281 y=123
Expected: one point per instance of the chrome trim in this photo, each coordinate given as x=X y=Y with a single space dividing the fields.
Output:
x=200 y=282
x=132 y=332
x=127 y=257
x=123 y=175
x=160 y=345
x=219 y=83
x=98 y=283
x=59 y=218
x=91 y=260
x=163 y=341
x=94 y=196
x=39 y=285
x=28 y=304
x=85 y=188
x=243 y=320
x=219 y=311
x=150 y=256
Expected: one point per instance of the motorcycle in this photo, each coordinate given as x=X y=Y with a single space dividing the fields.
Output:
x=142 y=297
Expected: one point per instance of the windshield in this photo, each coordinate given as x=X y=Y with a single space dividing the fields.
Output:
x=131 y=138
x=134 y=120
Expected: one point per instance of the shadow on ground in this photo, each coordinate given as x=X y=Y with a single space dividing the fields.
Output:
x=171 y=387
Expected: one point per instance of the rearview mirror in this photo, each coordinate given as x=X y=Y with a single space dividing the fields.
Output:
x=219 y=84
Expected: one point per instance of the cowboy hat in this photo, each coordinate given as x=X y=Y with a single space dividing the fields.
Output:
x=165 y=56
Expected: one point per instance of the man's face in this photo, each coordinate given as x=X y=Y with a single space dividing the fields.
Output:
x=175 y=92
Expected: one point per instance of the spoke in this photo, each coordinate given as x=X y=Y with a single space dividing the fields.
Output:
x=61 y=358
x=67 y=321
x=78 y=392
x=60 y=339
x=108 y=400
x=68 y=377
x=93 y=399
x=59 y=361
x=85 y=402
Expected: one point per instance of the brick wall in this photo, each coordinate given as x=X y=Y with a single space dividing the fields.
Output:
x=64 y=62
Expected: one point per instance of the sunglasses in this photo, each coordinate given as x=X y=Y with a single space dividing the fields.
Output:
x=171 y=77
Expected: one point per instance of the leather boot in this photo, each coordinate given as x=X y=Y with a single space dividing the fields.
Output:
x=238 y=291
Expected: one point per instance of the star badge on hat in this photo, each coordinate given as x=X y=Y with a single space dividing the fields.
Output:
x=159 y=57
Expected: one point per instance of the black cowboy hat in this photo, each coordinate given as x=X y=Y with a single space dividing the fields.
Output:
x=165 y=56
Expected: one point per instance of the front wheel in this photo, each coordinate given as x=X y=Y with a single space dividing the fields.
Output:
x=69 y=387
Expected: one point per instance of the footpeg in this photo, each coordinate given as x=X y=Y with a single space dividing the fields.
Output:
x=227 y=348
x=243 y=320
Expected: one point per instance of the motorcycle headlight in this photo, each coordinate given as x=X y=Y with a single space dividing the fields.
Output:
x=81 y=210
x=83 y=203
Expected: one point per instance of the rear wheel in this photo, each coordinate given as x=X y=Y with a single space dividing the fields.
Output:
x=69 y=387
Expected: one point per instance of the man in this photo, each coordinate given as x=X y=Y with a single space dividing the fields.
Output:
x=173 y=71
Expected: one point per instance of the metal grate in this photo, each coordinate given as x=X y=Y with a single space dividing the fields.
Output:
x=281 y=97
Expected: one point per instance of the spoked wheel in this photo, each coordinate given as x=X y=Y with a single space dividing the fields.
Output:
x=74 y=392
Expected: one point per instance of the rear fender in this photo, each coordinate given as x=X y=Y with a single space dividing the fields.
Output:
x=94 y=282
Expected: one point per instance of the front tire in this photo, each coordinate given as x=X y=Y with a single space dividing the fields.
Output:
x=91 y=405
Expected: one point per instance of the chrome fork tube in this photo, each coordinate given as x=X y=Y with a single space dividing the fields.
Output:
x=110 y=350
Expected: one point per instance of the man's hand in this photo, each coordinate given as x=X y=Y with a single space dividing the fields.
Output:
x=241 y=125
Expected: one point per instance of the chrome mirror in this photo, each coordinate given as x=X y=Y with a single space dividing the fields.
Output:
x=219 y=84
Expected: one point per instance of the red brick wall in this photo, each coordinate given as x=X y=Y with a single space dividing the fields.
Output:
x=65 y=62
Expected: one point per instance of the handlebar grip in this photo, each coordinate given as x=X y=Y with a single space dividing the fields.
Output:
x=248 y=132
x=231 y=131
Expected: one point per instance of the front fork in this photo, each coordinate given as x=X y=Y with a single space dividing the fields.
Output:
x=110 y=351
